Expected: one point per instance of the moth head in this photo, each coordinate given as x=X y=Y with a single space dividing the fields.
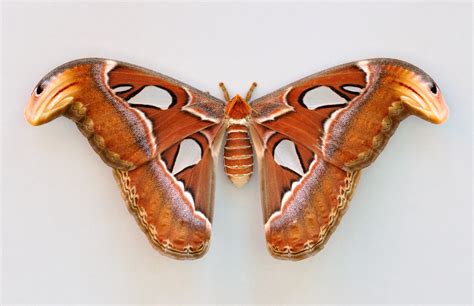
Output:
x=421 y=95
x=237 y=108
x=53 y=95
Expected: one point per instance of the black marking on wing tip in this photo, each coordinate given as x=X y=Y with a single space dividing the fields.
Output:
x=433 y=87
x=39 y=88
x=71 y=64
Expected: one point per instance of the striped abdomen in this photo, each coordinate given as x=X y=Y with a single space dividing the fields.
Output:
x=238 y=155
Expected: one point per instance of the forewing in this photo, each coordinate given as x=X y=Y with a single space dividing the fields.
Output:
x=379 y=93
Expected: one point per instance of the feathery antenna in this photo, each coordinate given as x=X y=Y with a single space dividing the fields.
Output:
x=249 y=93
x=224 y=90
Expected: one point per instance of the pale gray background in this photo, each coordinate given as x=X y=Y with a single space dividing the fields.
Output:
x=68 y=238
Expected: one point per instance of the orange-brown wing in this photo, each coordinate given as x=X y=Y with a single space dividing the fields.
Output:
x=333 y=143
x=141 y=142
x=352 y=135
x=300 y=211
x=175 y=211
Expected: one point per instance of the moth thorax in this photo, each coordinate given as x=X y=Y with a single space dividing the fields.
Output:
x=238 y=154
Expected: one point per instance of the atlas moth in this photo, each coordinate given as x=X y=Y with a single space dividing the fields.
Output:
x=141 y=142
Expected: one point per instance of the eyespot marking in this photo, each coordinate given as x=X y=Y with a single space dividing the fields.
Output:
x=39 y=89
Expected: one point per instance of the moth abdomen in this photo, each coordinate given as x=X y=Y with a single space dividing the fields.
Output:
x=238 y=155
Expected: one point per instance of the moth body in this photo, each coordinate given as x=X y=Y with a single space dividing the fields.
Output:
x=238 y=150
